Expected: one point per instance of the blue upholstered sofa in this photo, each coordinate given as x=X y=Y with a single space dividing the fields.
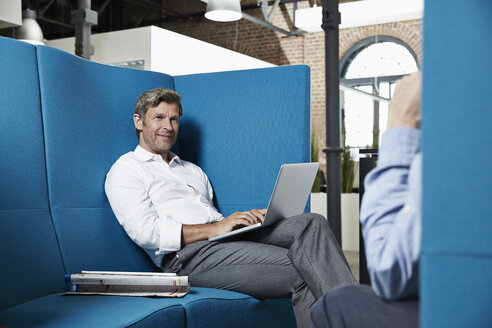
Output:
x=65 y=120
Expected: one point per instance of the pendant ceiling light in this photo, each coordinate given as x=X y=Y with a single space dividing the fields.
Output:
x=30 y=31
x=223 y=10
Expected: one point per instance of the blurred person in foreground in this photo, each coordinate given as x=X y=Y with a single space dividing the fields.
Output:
x=391 y=224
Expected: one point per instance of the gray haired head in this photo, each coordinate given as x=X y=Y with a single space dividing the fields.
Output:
x=152 y=98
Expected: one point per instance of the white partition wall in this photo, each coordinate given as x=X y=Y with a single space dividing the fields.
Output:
x=10 y=13
x=160 y=50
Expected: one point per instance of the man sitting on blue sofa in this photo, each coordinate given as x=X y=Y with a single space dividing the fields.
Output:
x=165 y=205
x=390 y=216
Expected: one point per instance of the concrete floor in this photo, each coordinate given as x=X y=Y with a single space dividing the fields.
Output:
x=353 y=261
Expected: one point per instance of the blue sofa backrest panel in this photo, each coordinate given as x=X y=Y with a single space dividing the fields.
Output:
x=29 y=254
x=241 y=126
x=80 y=149
x=456 y=283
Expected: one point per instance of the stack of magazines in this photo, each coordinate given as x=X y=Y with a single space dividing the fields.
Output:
x=156 y=284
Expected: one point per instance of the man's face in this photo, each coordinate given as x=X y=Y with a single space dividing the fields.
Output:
x=159 y=129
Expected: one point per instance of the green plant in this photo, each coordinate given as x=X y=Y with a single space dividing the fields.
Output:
x=314 y=158
x=348 y=167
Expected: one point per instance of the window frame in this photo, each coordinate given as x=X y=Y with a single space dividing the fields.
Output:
x=373 y=81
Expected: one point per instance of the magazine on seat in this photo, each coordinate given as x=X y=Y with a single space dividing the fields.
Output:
x=155 y=284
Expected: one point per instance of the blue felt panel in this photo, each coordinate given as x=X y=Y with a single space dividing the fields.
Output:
x=457 y=136
x=95 y=311
x=30 y=260
x=241 y=126
x=88 y=121
x=93 y=239
x=456 y=291
x=22 y=172
x=27 y=238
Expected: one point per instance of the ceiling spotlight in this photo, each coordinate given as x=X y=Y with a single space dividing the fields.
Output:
x=223 y=10
x=30 y=31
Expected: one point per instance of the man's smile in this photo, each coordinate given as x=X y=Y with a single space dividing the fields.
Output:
x=159 y=129
x=165 y=135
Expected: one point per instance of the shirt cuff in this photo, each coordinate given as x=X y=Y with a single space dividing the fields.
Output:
x=170 y=235
x=399 y=146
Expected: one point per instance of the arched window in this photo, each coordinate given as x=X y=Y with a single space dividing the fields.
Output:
x=372 y=66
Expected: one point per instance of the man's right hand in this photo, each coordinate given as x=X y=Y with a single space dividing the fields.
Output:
x=236 y=219
x=195 y=232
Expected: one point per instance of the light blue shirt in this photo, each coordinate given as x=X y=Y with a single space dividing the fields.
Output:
x=391 y=215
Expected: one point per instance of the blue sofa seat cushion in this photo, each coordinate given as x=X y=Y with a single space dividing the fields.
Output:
x=201 y=307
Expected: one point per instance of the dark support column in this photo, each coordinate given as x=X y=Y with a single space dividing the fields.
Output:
x=83 y=18
x=368 y=159
x=331 y=20
x=375 y=125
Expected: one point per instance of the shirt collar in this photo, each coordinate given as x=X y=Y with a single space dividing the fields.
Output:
x=145 y=155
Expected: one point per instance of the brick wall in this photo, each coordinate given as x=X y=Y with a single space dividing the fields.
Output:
x=277 y=48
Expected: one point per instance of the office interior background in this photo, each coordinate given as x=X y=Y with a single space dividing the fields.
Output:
x=373 y=52
x=378 y=43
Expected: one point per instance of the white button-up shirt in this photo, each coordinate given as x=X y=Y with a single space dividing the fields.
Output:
x=152 y=199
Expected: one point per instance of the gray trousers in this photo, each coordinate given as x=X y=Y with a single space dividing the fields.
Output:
x=298 y=257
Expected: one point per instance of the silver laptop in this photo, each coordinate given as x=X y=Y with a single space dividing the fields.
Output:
x=289 y=196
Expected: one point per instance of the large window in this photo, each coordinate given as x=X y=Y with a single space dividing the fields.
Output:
x=372 y=66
